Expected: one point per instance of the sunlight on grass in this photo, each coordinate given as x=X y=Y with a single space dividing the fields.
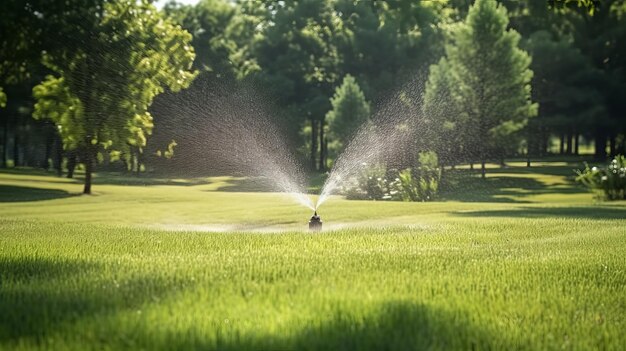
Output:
x=183 y=265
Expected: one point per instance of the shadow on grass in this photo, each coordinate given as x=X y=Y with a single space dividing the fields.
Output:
x=105 y=178
x=565 y=170
x=591 y=212
x=14 y=193
x=40 y=296
x=469 y=187
x=266 y=185
x=143 y=180
x=395 y=325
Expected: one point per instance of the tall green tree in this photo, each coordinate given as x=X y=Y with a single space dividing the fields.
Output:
x=490 y=78
x=599 y=35
x=350 y=111
x=568 y=89
x=381 y=42
x=207 y=21
x=298 y=61
x=445 y=130
x=102 y=88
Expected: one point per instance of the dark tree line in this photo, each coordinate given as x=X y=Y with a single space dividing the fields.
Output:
x=298 y=53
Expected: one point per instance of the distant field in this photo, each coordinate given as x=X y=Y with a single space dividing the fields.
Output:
x=522 y=260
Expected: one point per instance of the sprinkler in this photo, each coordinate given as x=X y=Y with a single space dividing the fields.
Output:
x=315 y=224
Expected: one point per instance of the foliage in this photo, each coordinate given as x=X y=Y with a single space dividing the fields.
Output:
x=418 y=184
x=297 y=51
x=611 y=180
x=370 y=184
x=429 y=175
x=350 y=110
x=382 y=42
x=94 y=111
x=3 y=98
x=208 y=23
x=447 y=130
x=567 y=87
x=489 y=79
x=378 y=183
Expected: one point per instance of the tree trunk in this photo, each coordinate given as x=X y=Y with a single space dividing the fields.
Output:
x=576 y=143
x=569 y=143
x=89 y=163
x=562 y=145
x=57 y=160
x=544 y=143
x=600 y=144
x=326 y=152
x=5 y=141
x=482 y=151
x=16 y=148
x=138 y=158
x=49 y=143
x=313 y=144
x=613 y=145
x=483 y=170
x=529 y=145
x=322 y=163
x=71 y=163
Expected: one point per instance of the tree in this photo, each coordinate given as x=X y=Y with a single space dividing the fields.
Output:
x=207 y=22
x=445 y=131
x=102 y=88
x=298 y=61
x=350 y=111
x=380 y=42
x=490 y=77
x=599 y=34
x=568 y=90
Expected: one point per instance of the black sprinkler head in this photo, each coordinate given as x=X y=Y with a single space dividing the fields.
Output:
x=315 y=224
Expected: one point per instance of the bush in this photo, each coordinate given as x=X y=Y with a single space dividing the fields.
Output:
x=411 y=184
x=610 y=180
x=371 y=184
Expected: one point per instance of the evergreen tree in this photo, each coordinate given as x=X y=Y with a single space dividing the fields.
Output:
x=350 y=111
x=443 y=129
x=490 y=78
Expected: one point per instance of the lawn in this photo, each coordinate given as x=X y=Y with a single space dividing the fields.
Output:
x=522 y=260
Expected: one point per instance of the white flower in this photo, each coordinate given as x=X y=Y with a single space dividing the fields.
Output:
x=604 y=178
x=594 y=169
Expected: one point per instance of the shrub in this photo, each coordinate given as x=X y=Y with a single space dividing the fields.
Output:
x=371 y=184
x=611 y=180
x=429 y=175
x=411 y=184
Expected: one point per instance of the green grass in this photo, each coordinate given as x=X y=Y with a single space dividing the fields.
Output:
x=523 y=260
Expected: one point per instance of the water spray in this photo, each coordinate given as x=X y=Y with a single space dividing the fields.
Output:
x=315 y=223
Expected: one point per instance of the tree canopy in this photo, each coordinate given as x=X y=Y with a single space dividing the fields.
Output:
x=350 y=110
x=100 y=94
x=471 y=74
x=488 y=78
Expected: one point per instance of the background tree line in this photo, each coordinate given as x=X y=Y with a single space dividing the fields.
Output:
x=499 y=79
